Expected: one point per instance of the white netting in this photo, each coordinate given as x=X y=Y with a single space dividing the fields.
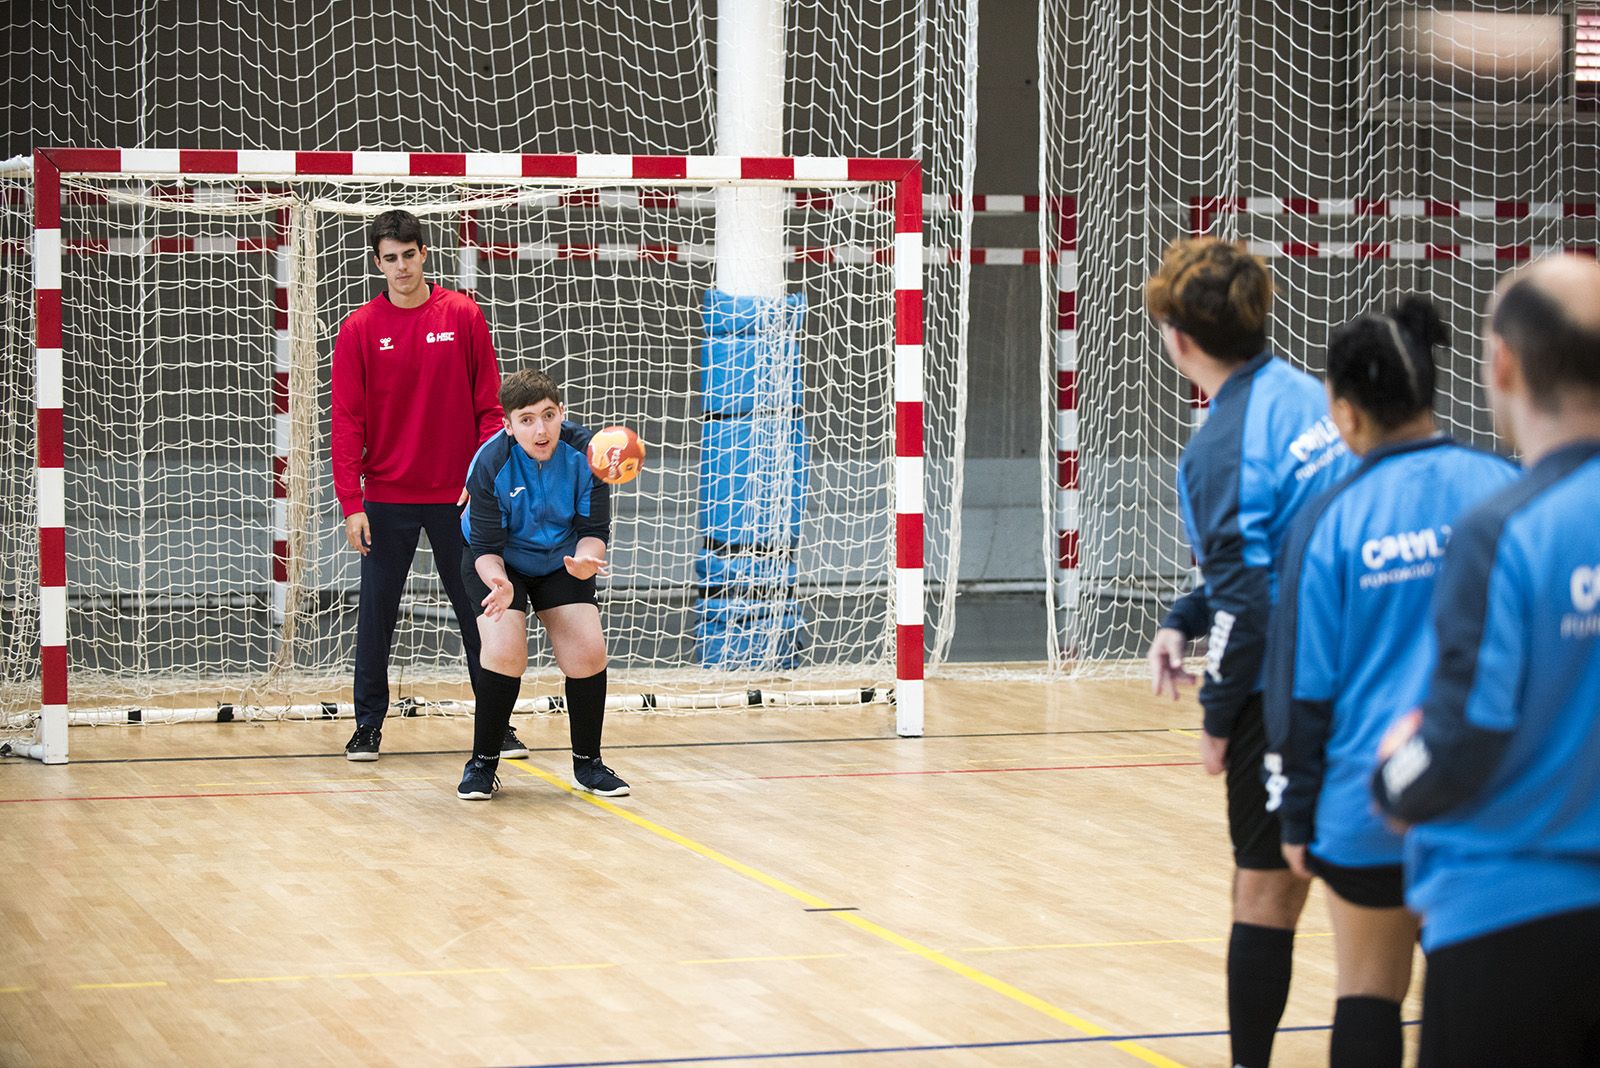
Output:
x=172 y=304
x=1370 y=149
x=593 y=76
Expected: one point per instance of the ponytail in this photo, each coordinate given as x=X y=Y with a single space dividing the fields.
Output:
x=1384 y=365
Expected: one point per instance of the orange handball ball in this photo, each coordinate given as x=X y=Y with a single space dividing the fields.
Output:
x=615 y=455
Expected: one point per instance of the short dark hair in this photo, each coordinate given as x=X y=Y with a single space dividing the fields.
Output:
x=1215 y=291
x=1556 y=353
x=1383 y=364
x=396 y=224
x=526 y=388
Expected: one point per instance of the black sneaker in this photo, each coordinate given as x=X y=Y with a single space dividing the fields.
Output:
x=478 y=780
x=363 y=744
x=511 y=747
x=588 y=773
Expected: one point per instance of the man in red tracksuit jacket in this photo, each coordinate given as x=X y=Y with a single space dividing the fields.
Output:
x=415 y=388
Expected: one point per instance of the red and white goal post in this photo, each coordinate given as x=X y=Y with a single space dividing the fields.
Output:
x=186 y=303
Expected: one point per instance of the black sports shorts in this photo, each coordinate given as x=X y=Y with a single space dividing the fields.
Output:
x=1382 y=886
x=540 y=591
x=1528 y=994
x=1254 y=830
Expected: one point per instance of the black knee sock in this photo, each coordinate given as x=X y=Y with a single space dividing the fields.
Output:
x=1366 y=1034
x=586 y=713
x=497 y=696
x=1260 y=960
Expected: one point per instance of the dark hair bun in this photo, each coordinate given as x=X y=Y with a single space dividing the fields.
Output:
x=1420 y=322
x=1384 y=364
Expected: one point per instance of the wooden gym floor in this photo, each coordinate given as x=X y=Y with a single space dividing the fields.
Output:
x=1042 y=880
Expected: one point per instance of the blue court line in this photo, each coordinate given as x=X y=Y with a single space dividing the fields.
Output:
x=1085 y=1040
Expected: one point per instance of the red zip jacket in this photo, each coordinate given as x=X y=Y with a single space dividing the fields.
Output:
x=414 y=394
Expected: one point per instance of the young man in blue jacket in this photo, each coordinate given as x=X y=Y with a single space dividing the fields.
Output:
x=1499 y=770
x=1266 y=449
x=536 y=527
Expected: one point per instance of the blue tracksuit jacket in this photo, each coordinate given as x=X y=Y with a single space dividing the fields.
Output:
x=530 y=513
x=1350 y=647
x=1503 y=778
x=1267 y=448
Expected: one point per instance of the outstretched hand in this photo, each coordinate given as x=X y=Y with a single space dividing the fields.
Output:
x=585 y=565
x=499 y=599
x=1167 y=672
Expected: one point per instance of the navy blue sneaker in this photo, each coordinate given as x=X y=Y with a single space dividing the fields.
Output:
x=588 y=773
x=478 y=780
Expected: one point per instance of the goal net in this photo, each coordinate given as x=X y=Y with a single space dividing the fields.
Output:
x=564 y=76
x=1367 y=150
x=203 y=548
x=19 y=527
x=572 y=76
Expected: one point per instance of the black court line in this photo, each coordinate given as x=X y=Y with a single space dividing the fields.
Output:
x=947 y=1047
x=563 y=748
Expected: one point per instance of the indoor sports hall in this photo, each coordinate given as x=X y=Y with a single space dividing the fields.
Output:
x=867 y=281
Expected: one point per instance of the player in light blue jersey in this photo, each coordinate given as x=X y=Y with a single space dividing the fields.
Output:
x=1267 y=448
x=1345 y=652
x=1499 y=769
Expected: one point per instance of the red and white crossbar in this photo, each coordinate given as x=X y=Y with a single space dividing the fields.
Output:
x=906 y=201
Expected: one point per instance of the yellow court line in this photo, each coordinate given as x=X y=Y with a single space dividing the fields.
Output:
x=856 y=920
x=1186 y=734
x=568 y=967
x=15 y=989
x=268 y=979
x=117 y=986
x=757 y=960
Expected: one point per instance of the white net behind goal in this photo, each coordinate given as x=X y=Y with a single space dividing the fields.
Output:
x=1366 y=149
x=563 y=76
x=19 y=533
x=174 y=299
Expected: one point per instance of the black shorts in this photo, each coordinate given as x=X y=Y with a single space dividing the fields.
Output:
x=540 y=591
x=1382 y=886
x=1254 y=830
x=1528 y=994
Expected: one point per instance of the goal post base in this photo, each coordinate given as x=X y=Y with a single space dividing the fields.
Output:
x=410 y=707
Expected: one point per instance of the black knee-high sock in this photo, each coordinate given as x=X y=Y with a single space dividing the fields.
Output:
x=1260 y=960
x=497 y=696
x=1366 y=1034
x=586 y=713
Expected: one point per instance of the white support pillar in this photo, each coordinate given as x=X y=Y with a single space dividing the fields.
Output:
x=750 y=68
